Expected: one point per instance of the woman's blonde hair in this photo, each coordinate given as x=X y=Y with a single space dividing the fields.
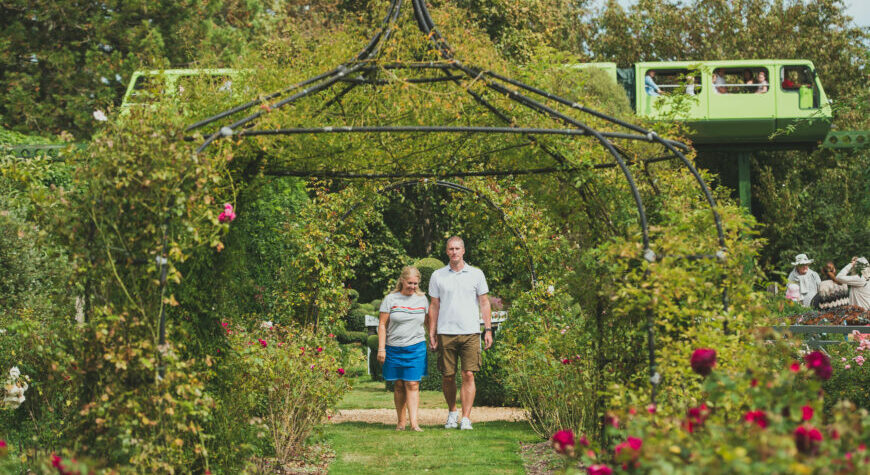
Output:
x=408 y=271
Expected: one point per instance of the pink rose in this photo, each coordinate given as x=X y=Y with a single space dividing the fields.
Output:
x=651 y=409
x=227 y=214
x=263 y=342
x=341 y=371
x=794 y=367
x=599 y=470
x=628 y=450
x=319 y=349
x=566 y=361
x=563 y=441
x=703 y=360
x=807 y=412
x=860 y=360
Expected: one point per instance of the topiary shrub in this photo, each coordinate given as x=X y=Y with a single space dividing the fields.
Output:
x=427 y=266
x=355 y=321
x=374 y=366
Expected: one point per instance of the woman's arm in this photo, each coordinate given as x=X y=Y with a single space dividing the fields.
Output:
x=382 y=336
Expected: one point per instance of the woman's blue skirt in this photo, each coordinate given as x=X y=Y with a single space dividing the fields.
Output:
x=407 y=363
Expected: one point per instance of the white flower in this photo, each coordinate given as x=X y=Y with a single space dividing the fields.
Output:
x=551 y=290
x=2 y=331
x=100 y=116
x=104 y=80
x=267 y=325
x=15 y=372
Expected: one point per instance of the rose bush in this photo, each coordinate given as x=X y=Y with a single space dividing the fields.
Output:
x=777 y=430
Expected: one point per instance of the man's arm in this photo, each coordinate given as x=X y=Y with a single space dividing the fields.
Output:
x=486 y=314
x=434 y=306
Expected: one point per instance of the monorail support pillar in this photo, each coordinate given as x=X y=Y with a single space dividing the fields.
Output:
x=744 y=187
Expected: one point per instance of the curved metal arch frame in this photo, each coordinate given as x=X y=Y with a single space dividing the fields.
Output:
x=363 y=62
x=457 y=187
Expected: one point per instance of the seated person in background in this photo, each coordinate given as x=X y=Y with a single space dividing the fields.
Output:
x=793 y=293
x=808 y=281
x=748 y=79
x=762 y=83
x=858 y=281
x=832 y=293
x=690 y=85
x=790 y=82
x=719 y=82
x=649 y=84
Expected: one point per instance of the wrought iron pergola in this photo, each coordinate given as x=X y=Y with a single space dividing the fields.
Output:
x=451 y=69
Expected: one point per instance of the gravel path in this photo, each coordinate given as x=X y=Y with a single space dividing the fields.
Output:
x=427 y=417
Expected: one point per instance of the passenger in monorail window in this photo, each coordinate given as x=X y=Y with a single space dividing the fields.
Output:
x=791 y=80
x=762 y=83
x=748 y=79
x=649 y=84
x=719 y=82
x=690 y=85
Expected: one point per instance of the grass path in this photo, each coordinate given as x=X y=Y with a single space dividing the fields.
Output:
x=365 y=448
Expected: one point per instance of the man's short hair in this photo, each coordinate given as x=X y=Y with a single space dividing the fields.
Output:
x=455 y=238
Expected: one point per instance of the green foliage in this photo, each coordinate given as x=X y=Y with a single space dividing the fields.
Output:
x=356 y=319
x=427 y=266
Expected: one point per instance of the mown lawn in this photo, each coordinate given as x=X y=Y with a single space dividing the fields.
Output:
x=368 y=394
x=492 y=447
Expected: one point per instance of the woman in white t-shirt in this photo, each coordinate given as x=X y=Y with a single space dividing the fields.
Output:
x=402 y=343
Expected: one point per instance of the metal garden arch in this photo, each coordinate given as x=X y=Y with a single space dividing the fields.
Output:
x=451 y=69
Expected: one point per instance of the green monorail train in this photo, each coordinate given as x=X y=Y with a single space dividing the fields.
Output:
x=774 y=102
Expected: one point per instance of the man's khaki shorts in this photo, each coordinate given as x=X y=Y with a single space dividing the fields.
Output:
x=464 y=347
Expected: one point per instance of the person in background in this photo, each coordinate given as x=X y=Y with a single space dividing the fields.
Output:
x=832 y=292
x=402 y=344
x=690 y=85
x=793 y=293
x=719 y=82
x=808 y=280
x=762 y=83
x=748 y=79
x=649 y=84
x=856 y=275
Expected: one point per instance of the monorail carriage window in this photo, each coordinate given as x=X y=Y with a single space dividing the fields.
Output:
x=751 y=80
x=793 y=77
x=678 y=81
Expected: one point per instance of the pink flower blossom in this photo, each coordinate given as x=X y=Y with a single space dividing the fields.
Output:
x=859 y=359
x=2 y=444
x=651 y=408
x=628 y=450
x=331 y=335
x=820 y=364
x=807 y=412
x=848 y=366
x=703 y=360
x=225 y=324
x=754 y=382
x=563 y=441
x=263 y=342
x=311 y=367
x=795 y=367
x=566 y=361
x=340 y=371
x=319 y=349
x=599 y=470
x=583 y=441
x=227 y=214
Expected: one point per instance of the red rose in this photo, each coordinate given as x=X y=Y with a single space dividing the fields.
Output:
x=628 y=450
x=807 y=439
x=819 y=362
x=562 y=440
x=807 y=413
x=703 y=360
x=566 y=361
x=340 y=371
x=599 y=470
x=696 y=417
x=583 y=441
x=757 y=417
x=794 y=367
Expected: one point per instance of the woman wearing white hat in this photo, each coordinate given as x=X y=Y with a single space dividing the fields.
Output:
x=808 y=280
x=859 y=284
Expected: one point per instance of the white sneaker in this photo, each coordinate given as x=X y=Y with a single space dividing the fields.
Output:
x=465 y=424
x=452 y=418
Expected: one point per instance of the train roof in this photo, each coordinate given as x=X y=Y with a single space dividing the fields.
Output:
x=723 y=63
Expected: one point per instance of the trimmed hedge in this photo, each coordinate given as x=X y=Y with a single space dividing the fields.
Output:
x=427 y=266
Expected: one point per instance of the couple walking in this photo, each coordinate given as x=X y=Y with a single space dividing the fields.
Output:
x=459 y=299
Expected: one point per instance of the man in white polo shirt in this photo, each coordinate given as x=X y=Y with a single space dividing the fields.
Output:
x=459 y=299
